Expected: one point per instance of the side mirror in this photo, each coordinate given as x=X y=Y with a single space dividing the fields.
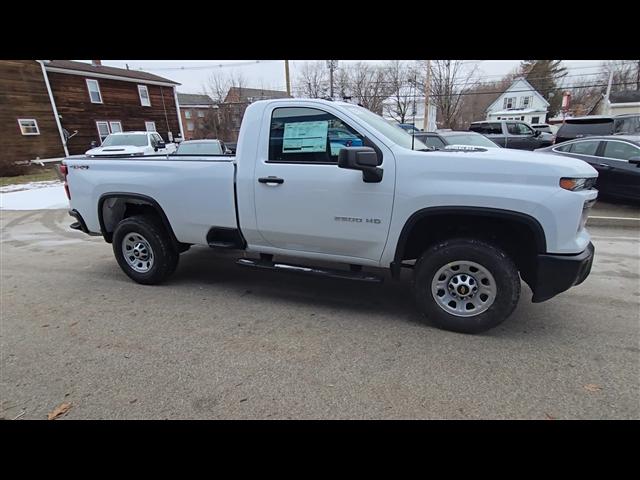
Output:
x=364 y=159
x=635 y=160
x=161 y=145
x=536 y=133
x=94 y=144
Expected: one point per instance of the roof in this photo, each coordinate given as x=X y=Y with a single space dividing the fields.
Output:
x=629 y=138
x=256 y=93
x=458 y=132
x=104 y=70
x=517 y=110
x=626 y=96
x=138 y=132
x=194 y=99
x=201 y=141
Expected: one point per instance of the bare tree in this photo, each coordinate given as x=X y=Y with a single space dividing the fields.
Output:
x=368 y=86
x=312 y=82
x=449 y=81
x=626 y=74
x=400 y=80
x=219 y=84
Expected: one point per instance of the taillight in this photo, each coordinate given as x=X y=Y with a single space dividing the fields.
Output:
x=64 y=170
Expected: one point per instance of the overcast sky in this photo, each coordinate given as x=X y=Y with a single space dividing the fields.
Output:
x=269 y=74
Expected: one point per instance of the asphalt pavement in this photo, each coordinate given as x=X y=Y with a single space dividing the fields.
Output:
x=222 y=342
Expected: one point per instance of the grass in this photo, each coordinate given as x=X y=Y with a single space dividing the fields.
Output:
x=34 y=176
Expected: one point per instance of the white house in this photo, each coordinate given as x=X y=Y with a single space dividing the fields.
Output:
x=519 y=102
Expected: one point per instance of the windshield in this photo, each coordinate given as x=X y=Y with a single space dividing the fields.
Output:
x=393 y=132
x=200 y=148
x=473 y=140
x=125 y=140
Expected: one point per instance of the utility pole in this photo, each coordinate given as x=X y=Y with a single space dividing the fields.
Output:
x=427 y=94
x=638 y=77
x=286 y=74
x=331 y=65
x=606 y=96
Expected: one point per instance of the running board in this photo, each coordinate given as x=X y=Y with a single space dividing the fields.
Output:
x=315 y=271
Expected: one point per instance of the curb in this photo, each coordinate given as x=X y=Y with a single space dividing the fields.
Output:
x=622 y=222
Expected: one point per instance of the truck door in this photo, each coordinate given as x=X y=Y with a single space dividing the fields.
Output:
x=521 y=136
x=304 y=201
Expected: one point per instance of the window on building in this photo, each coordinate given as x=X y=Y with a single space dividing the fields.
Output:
x=190 y=126
x=94 y=91
x=187 y=114
x=143 y=92
x=103 y=130
x=150 y=126
x=509 y=102
x=116 y=127
x=28 y=126
x=201 y=113
x=535 y=120
x=309 y=135
x=525 y=102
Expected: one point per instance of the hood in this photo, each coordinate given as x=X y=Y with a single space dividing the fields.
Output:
x=116 y=150
x=503 y=163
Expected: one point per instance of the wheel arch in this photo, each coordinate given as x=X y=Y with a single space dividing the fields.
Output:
x=416 y=223
x=125 y=205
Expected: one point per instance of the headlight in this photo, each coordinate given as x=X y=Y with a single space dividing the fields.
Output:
x=576 y=184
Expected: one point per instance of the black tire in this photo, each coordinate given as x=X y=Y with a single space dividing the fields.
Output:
x=491 y=258
x=165 y=256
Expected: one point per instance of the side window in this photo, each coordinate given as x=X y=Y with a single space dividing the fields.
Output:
x=620 y=150
x=627 y=125
x=564 y=148
x=153 y=141
x=513 y=129
x=300 y=134
x=585 y=148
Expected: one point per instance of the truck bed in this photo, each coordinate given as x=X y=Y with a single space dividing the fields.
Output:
x=195 y=192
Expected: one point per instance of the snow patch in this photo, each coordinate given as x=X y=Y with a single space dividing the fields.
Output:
x=29 y=186
x=40 y=198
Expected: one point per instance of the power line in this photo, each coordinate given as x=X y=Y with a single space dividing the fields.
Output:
x=207 y=67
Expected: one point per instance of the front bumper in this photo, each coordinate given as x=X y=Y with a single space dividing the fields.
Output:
x=557 y=273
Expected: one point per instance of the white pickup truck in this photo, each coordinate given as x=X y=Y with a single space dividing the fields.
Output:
x=468 y=223
x=134 y=144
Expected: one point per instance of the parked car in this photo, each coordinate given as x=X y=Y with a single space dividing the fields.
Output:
x=615 y=157
x=131 y=144
x=578 y=127
x=440 y=140
x=467 y=224
x=547 y=132
x=511 y=134
x=340 y=138
x=202 y=147
x=408 y=127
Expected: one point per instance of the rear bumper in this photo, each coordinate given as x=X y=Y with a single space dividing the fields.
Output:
x=557 y=273
x=80 y=223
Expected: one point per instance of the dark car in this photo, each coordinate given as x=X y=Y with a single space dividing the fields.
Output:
x=202 y=147
x=615 y=157
x=511 y=134
x=439 y=140
x=579 y=127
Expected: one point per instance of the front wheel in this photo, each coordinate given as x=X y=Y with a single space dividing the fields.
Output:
x=143 y=250
x=466 y=285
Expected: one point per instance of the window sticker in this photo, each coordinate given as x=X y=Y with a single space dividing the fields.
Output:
x=303 y=137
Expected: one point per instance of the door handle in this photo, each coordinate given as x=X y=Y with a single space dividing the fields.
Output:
x=604 y=166
x=271 y=180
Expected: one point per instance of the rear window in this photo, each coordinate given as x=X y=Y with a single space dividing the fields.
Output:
x=205 y=148
x=432 y=141
x=593 y=127
x=627 y=125
x=139 y=140
x=487 y=128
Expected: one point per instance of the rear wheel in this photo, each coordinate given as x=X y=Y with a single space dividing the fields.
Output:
x=144 y=250
x=466 y=285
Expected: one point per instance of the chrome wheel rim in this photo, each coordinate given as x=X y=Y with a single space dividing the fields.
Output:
x=137 y=252
x=463 y=288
